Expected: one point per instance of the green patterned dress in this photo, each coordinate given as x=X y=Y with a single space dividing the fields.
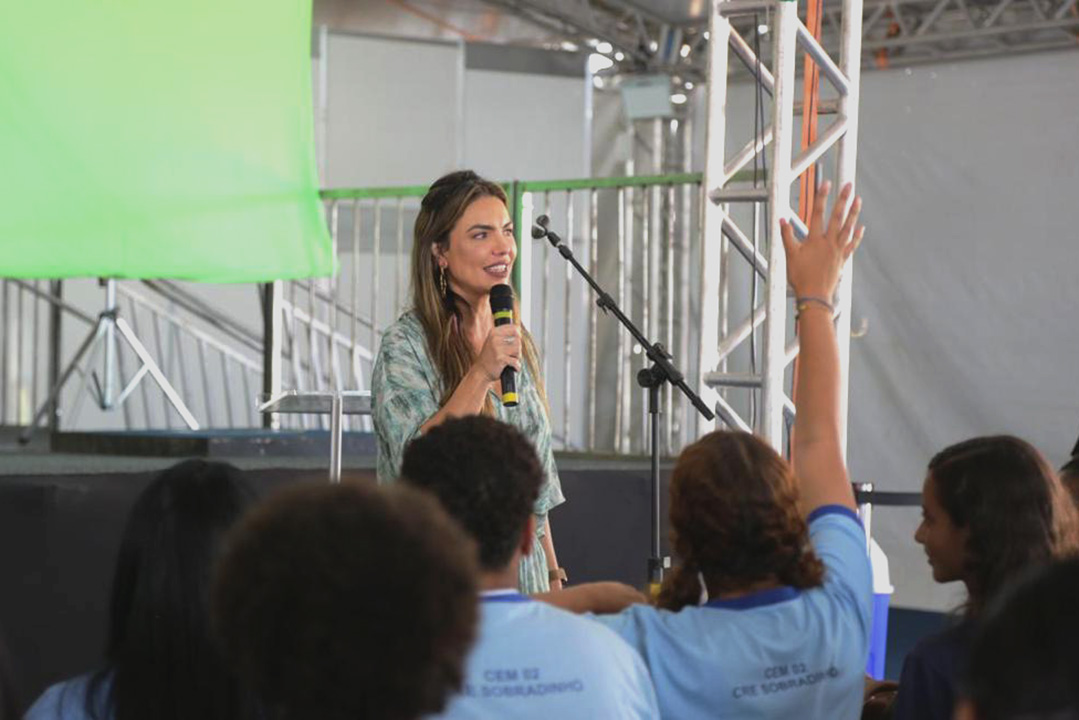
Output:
x=405 y=390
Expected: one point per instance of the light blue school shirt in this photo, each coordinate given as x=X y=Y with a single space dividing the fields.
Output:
x=67 y=701
x=532 y=660
x=779 y=653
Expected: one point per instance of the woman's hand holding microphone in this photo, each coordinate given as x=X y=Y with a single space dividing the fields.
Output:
x=501 y=349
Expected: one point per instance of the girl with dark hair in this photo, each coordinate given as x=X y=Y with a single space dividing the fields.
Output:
x=1023 y=664
x=162 y=661
x=992 y=507
x=444 y=357
x=768 y=615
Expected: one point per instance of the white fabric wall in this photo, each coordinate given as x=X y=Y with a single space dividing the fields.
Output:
x=403 y=112
x=525 y=127
x=967 y=278
x=393 y=111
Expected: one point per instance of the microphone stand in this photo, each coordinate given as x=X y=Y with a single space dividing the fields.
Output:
x=651 y=378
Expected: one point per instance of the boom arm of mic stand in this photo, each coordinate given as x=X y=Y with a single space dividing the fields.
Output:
x=660 y=359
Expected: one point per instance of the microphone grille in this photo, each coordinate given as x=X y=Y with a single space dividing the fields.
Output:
x=502 y=291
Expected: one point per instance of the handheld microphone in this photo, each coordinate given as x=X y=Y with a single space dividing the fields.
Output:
x=502 y=309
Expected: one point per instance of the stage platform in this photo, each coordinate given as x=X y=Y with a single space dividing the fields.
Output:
x=63 y=505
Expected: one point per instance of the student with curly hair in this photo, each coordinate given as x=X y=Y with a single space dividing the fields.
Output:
x=1023 y=664
x=340 y=602
x=531 y=660
x=162 y=659
x=992 y=507
x=768 y=615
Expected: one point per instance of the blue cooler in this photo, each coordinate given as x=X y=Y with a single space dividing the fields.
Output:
x=882 y=594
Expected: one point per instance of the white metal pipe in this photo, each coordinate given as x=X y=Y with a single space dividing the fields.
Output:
x=376 y=282
x=722 y=38
x=746 y=54
x=823 y=143
x=620 y=371
x=728 y=416
x=357 y=228
x=593 y=269
x=524 y=260
x=846 y=164
x=745 y=247
x=545 y=305
x=779 y=183
x=746 y=154
x=668 y=313
x=399 y=260
x=730 y=342
x=818 y=53
x=567 y=330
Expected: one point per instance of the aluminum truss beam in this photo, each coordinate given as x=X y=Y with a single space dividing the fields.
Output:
x=892 y=31
x=790 y=39
x=910 y=31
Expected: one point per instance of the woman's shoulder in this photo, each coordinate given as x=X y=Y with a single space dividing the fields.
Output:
x=407 y=330
x=67 y=700
x=942 y=653
x=407 y=324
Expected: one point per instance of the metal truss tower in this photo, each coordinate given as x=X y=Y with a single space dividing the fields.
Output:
x=718 y=340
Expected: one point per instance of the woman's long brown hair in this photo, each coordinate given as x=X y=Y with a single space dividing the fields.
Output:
x=735 y=519
x=1015 y=510
x=442 y=206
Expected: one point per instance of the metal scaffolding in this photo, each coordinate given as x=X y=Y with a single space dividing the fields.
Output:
x=669 y=36
x=766 y=382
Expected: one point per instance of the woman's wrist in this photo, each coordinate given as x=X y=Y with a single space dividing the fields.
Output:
x=810 y=302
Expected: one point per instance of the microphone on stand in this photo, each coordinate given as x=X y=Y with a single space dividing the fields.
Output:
x=540 y=230
x=502 y=310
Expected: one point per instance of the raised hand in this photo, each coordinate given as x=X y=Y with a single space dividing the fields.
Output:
x=814 y=265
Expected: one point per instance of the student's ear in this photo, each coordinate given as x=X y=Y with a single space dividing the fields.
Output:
x=528 y=537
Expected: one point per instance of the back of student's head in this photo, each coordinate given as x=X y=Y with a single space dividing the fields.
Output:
x=340 y=602
x=735 y=518
x=1013 y=507
x=161 y=654
x=487 y=476
x=1023 y=663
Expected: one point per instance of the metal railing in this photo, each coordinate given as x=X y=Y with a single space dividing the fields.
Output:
x=215 y=366
x=638 y=235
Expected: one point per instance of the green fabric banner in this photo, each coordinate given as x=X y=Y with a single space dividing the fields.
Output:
x=155 y=139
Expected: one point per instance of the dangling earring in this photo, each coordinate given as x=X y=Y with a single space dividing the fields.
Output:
x=442 y=280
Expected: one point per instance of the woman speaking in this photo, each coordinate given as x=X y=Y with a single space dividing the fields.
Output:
x=444 y=357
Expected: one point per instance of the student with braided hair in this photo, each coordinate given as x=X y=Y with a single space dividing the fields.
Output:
x=768 y=616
